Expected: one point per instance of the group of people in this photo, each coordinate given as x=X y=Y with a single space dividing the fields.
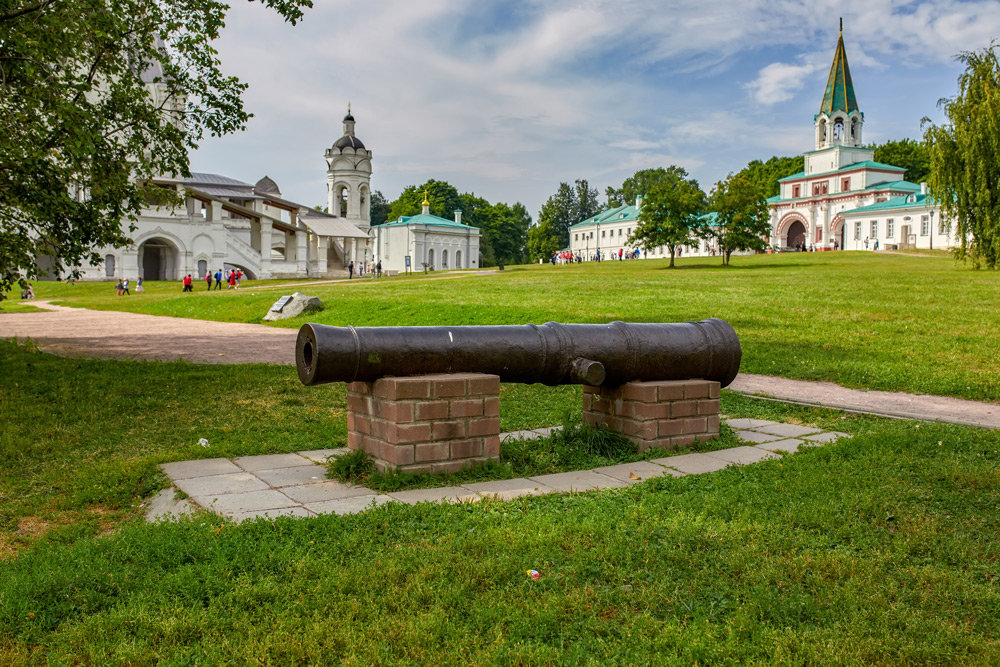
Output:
x=121 y=288
x=233 y=279
x=569 y=257
x=363 y=269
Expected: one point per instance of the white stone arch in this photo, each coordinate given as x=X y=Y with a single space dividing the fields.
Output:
x=444 y=258
x=365 y=194
x=783 y=227
x=430 y=258
x=203 y=244
x=458 y=259
x=158 y=255
x=838 y=127
x=342 y=193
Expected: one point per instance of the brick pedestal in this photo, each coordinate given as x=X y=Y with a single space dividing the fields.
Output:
x=665 y=414
x=426 y=423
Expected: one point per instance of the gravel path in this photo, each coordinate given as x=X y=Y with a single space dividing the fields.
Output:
x=78 y=332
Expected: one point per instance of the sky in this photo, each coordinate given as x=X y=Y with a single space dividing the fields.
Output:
x=506 y=99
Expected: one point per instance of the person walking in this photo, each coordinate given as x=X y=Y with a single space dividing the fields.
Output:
x=188 y=283
x=350 y=270
x=876 y=245
x=378 y=269
x=239 y=277
x=866 y=243
x=125 y=291
x=208 y=280
x=138 y=285
x=218 y=279
x=118 y=287
x=232 y=280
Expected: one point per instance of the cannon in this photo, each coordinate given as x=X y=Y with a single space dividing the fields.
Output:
x=551 y=353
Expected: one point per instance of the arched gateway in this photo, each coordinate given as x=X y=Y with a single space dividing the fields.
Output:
x=158 y=260
x=796 y=235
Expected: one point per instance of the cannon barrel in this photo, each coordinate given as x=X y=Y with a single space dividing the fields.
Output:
x=551 y=353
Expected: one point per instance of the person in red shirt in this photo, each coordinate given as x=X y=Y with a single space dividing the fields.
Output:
x=188 y=283
x=232 y=280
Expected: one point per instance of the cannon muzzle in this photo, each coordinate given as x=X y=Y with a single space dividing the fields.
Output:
x=552 y=353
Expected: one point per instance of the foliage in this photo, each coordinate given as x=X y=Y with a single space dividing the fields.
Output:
x=914 y=156
x=354 y=466
x=379 y=208
x=965 y=158
x=640 y=183
x=765 y=175
x=505 y=227
x=741 y=219
x=671 y=214
x=443 y=198
x=81 y=134
x=568 y=206
x=543 y=241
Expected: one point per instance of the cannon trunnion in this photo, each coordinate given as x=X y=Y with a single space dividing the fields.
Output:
x=552 y=353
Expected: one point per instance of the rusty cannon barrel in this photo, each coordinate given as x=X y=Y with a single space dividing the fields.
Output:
x=552 y=353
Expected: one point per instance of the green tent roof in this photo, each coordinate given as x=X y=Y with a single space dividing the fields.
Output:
x=839 y=94
x=422 y=219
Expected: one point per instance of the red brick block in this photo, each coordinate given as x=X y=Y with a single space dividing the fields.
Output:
x=683 y=409
x=641 y=429
x=414 y=469
x=362 y=388
x=431 y=410
x=418 y=386
x=590 y=389
x=704 y=437
x=713 y=389
x=682 y=441
x=694 y=389
x=708 y=406
x=587 y=401
x=670 y=427
x=491 y=446
x=446 y=430
x=481 y=383
x=354 y=440
x=647 y=410
x=399 y=455
x=409 y=433
x=463 y=449
x=470 y=407
x=362 y=424
x=695 y=425
x=639 y=391
x=670 y=390
x=355 y=403
x=712 y=424
x=484 y=426
x=456 y=385
x=394 y=411
x=431 y=451
x=491 y=406
x=451 y=467
x=372 y=446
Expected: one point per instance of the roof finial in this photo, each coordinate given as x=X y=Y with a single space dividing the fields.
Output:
x=841 y=32
x=426 y=203
x=349 y=102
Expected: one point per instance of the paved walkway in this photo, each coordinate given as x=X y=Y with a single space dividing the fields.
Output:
x=270 y=486
x=78 y=332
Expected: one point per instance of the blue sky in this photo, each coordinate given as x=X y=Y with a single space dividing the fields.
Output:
x=507 y=99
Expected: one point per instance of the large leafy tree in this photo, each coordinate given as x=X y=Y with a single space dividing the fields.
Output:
x=914 y=156
x=81 y=134
x=568 y=206
x=640 y=183
x=443 y=198
x=965 y=158
x=765 y=175
x=379 y=209
x=543 y=241
x=671 y=215
x=741 y=220
x=506 y=228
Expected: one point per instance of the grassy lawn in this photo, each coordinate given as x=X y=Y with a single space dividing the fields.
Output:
x=891 y=322
x=881 y=548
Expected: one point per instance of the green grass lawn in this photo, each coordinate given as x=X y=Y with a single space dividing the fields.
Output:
x=891 y=322
x=881 y=548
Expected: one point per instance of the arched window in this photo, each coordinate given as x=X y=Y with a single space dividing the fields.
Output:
x=430 y=259
x=458 y=259
x=109 y=266
x=444 y=259
x=838 y=129
x=202 y=268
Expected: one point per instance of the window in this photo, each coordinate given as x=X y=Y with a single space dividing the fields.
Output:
x=202 y=268
x=857 y=230
x=845 y=185
x=796 y=191
x=109 y=266
x=925 y=225
x=620 y=230
x=604 y=233
x=444 y=259
x=874 y=233
x=890 y=228
x=576 y=237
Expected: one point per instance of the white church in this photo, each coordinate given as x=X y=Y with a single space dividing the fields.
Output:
x=845 y=200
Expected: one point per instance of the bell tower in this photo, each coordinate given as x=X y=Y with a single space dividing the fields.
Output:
x=839 y=120
x=348 y=177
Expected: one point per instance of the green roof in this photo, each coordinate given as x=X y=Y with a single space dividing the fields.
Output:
x=895 y=185
x=424 y=219
x=618 y=214
x=867 y=164
x=839 y=95
x=919 y=201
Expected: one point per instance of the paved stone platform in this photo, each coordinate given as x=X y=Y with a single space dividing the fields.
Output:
x=274 y=485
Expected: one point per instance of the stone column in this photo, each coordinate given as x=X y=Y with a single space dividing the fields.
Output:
x=426 y=423
x=265 y=248
x=301 y=255
x=322 y=246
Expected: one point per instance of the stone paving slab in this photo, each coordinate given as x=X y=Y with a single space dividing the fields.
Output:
x=788 y=430
x=756 y=436
x=348 y=505
x=330 y=489
x=579 y=480
x=269 y=462
x=828 y=436
x=749 y=423
x=166 y=506
x=788 y=445
x=743 y=455
x=321 y=455
x=506 y=489
x=693 y=464
x=297 y=476
x=448 y=493
x=632 y=473
x=234 y=503
x=199 y=468
x=217 y=485
x=520 y=435
x=295 y=511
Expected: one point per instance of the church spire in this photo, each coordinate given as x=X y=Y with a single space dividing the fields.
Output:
x=839 y=94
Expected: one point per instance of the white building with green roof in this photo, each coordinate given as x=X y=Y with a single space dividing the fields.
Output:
x=427 y=241
x=822 y=206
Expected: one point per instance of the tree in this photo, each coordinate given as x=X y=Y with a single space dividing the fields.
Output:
x=82 y=132
x=765 y=175
x=543 y=241
x=965 y=158
x=443 y=198
x=568 y=206
x=379 y=208
x=506 y=228
x=741 y=220
x=670 y=215
x=914 y=156
x=476 y=212
x=640 y=183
